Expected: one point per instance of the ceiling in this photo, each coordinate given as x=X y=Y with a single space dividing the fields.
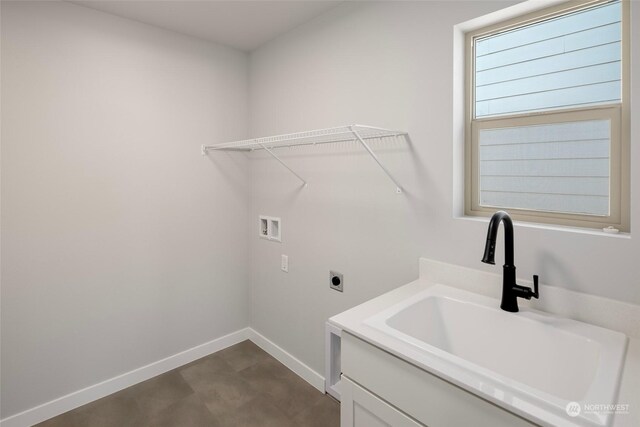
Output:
x=244 y=25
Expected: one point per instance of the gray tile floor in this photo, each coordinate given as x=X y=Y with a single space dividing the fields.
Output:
x=238 y=386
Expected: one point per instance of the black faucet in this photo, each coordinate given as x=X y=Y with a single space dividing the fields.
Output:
x=510 y=290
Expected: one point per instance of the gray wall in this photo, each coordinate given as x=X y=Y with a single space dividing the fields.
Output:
x=121 y=245
x=385 y=64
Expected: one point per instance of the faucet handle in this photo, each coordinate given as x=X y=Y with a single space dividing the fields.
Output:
x=535 y=293
x=526 y=292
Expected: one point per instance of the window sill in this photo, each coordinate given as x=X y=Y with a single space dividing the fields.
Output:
x=548 y=227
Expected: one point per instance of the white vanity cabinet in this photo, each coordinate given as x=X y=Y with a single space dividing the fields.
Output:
x=440 y=352
x=379 y=389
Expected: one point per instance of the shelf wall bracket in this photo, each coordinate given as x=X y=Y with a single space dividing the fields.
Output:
x=283 y=163
x=366 y=147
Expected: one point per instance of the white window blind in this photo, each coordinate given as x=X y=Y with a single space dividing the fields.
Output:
x=561 y=167
x=570 y=61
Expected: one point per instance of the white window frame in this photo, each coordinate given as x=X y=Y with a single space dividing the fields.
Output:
x=619 y=114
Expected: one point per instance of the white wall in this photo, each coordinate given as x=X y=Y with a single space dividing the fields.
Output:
x=121 y=245
x=385 y=64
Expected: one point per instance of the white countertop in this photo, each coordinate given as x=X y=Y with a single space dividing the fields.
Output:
x=433 y=273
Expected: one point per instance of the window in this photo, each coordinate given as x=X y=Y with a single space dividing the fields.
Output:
x=547 y=133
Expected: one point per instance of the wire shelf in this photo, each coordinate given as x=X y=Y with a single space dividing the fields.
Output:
x=355 y=133
x=312 y=137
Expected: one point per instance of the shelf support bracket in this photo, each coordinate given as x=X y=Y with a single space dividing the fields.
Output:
x=283 y=163
x=366 y=147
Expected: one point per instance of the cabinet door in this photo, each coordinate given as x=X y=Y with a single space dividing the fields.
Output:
x=359 y=408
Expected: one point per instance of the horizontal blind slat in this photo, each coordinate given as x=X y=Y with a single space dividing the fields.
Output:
x=537 y=67
x=548 y=185
x=557 y=132
x=556 y=46
x=555 y=150
x=597 y=93
x=559 y=167
x=550 y=28
x=506 y=143
x=551 y=81
x=547 y=202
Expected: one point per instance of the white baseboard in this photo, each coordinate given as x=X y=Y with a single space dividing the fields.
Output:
x=97 y=391
x=291 y=362
x=89 y=394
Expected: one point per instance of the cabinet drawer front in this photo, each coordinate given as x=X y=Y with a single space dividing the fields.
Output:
x=359 y=408
x=423 y=396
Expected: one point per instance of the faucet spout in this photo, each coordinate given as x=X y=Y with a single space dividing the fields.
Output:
x=510 y=290
x=492 y=234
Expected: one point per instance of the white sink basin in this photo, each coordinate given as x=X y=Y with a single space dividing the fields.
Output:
x=536 y=362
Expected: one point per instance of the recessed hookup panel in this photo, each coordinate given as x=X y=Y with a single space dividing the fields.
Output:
x=270 y=228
